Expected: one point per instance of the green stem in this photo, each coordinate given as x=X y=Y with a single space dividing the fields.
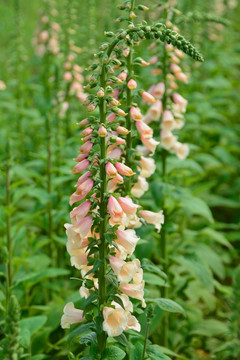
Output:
x=128 y=117
x=8 y=226
x=102 y=338
x=163 y=234
x=129 y=121
x=145 y=340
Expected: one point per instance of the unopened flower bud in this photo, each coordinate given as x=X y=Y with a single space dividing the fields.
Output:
x=100 y=93
x=132 y=84
x=102 y=132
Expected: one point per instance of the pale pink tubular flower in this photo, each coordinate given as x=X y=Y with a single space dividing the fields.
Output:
x=181 y=150
x=83 y=122
x=148 y=167
x=175 y=69
x=115 y=321
x=155 y=111
x=118 y=179
x=127 y=239
x=182 y=77
x=85 y=187
x=81 y=192
x=122 y=76
x=71 y=316
x=122 y=130
x=81 y=166
x=120 y=112
x=125 y=271
x=78 y=255
x=111 y=117
x=110 y=170
x=179 y=53
x=86 y=138
x=91 y=107
x=81 y=157
x=132 y=84
x=156 y=219
x=84 y=226
x=135 y=113
x=123 y=169
x=158 y=90
x=115 y=153
x=128 y=205
x=85 y=148
x=67 y=76
x=83 y=177
x=179 y=100
x=139 y=187
x=120 y=141
x=148 y=97
x=144 y=129
x=80 y=212
x=150 y=144
x=86 y=132
x=167 y=139
x=115 y=209
x=135 y=291
x=168 y=122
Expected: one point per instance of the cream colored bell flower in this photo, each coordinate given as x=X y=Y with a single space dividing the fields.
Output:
x=135 y=291
x=133 y=324
x=153 y=218
x=127 y=239
x=148 y=167
x=71 y=316
x=139 y=187
x=124 y=270
x=115 y=321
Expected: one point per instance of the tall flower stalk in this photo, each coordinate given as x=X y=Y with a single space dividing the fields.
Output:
x=171 y=107
x=101 y=236
x=8 y=226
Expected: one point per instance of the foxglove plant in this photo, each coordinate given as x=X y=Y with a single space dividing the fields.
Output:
x=101 y=236
x=167 y=116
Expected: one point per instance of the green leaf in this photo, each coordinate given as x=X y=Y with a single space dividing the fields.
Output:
x=153 y=279
x=155 y=353
x=113 y=353
x=33 y=324
x=198 y=268
x=40 y=275
x=194 y=206
x=210 y=327
x=148 y=265
x=79 y=331
x=168 y=305
x=121 y=339
x=216 y=236
x=167 y=351
x=25 y=337
x=136 y=351
x=88 y=338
